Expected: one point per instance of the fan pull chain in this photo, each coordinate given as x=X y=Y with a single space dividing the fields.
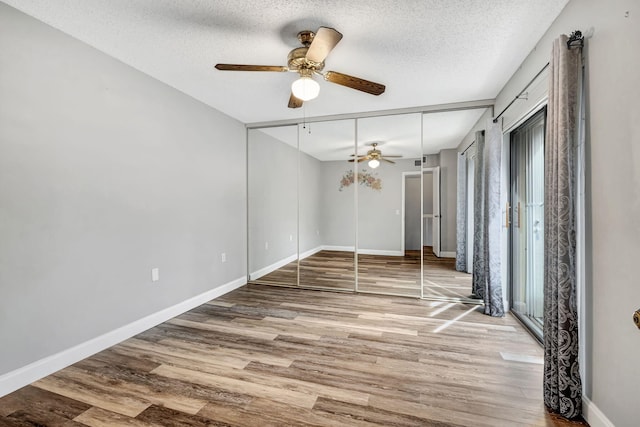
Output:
x=304 y=118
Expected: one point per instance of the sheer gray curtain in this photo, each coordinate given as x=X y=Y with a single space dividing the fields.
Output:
x=562 y=384
x=461 y=215
x=477 y=287
x=487 y=283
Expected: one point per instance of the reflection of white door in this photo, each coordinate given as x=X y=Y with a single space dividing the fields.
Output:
x=433 y=217
x=436 y=211
x=411 y=212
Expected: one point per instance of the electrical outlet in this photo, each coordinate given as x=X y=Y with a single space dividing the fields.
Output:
x=266 y=246
x=223 y=257
x=155 y=274
x=317 y=232
x=291 y=237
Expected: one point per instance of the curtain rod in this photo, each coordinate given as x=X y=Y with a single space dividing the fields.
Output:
x=470 y=145
x=576 y=39
x=495 y=120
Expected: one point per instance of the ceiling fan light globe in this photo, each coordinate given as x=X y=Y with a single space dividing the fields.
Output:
x=305 y=88
x=373 y=163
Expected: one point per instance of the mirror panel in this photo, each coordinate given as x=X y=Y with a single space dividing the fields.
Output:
x=273 y=205
x=389 y=205
x=442 y=134
x=327 y=207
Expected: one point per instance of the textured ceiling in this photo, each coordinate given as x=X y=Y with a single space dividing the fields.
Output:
x=426 y=52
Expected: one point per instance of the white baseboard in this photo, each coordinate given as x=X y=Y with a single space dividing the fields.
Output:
x=12 y=381
x=338 y=248
x=273 y=267
x=593 y=415
x=362 y=251
x=379 y=252
x=447 y=254
x=310 y=252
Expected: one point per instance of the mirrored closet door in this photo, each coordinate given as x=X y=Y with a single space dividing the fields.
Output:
x=366 y=204
x=389 y=199
x=442 y=133
x=327 y=205
x=272 y=163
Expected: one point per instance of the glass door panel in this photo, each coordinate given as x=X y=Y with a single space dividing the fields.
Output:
x=527 y=221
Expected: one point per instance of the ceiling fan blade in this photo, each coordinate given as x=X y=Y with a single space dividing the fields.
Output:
x=294 y=102
x=387 y=160
x=354 y=82
x=323 y=42
x=397 y=157
x=362 y=159
x=238 y=67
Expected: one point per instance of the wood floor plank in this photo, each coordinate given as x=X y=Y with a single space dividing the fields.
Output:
x=31 y=406
x=102 y=397
x=178 y=356
x=155 y=390
x=376 y=416
x=240 y=358
x=268 y=413
x=158 y=415
x=98 y=417
x=293 y=398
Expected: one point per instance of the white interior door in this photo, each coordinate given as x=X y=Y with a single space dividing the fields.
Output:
x=436 y=211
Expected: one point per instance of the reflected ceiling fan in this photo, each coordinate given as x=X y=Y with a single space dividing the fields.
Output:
x=307 y=61
x=374 y=156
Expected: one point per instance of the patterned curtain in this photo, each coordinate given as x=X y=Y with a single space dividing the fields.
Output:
x=461 y=215
x=477 y=287
x=562 y=384
x=487 y=235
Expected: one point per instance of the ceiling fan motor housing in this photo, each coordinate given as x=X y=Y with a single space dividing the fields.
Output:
x=297 y=60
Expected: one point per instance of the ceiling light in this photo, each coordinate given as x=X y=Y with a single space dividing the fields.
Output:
x=305 y=88
x=374 y=163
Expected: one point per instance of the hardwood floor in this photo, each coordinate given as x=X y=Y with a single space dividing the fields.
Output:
x=273 y=356
x=392 y=275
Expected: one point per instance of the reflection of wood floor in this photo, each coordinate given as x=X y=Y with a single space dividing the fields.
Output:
x=376 y=273
x=267 y=356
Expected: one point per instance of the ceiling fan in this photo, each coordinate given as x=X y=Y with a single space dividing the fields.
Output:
x=307 y=61
x=374 y=156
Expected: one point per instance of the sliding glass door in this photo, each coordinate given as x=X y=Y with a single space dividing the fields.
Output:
x=527 y=221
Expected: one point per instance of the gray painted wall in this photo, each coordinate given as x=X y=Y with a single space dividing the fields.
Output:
x=448 y=199
x=338 y=207
x=311 y=209
x=105 y=174
x=612 y=194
